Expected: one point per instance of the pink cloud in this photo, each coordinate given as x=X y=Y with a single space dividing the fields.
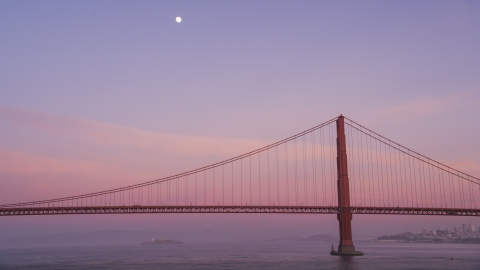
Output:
x=468 y=166
x=23 y=163
x=30 y=176
x=110 y=135
x=430 y=105
x=147 y=156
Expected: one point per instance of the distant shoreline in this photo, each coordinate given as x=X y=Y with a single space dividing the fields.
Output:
x=415 y=242
x=463 y=235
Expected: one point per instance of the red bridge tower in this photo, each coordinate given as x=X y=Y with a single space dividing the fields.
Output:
x=345 y=247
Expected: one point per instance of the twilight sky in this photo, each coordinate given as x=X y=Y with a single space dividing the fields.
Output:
x=100 y=94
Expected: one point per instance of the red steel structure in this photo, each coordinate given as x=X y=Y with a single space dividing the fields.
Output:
x=143 y=209
x=344 y=214
x=313 y=172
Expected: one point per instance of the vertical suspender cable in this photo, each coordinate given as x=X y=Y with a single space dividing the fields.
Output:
x=364 y=187
x=324 y=179
x=241 y=181
x=330 y=176
x=250 y=173
x=396 y=177
x=314 y=168
x=442 y=186
x=462 y=191
x=286 y=174
x=259 y=182
x=370 y=178
x=268 y=176
x=452 y=201
x=304 y=153
x=223 y=184
x=350 y=164
x=424 y=182
x=278 y=175
x=213 y=188
x=434 y=189
x=295 y=164
x=205 y=187
x=380 y=179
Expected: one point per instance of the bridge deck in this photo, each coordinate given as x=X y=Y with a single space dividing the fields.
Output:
x=141 y=209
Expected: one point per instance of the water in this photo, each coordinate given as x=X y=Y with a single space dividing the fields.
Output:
x=244 y=255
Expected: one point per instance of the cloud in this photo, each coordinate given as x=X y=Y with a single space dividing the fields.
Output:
x=430 y=105
x=468 y=166
x=23 y=163
x=110 y=135
x=27 y=177
x=132 y=156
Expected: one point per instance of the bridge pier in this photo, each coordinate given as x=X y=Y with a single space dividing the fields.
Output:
x=345 y=247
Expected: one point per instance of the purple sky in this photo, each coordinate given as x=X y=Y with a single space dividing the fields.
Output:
x=100 y=94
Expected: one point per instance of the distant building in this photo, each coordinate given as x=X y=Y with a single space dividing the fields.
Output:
x=464 y=227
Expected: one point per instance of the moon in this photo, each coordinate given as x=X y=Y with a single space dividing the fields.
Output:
x=178 y=19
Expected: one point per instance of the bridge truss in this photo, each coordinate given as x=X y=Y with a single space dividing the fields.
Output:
x=234 y=209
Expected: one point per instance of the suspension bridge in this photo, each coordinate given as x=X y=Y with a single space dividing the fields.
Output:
x=338 y=167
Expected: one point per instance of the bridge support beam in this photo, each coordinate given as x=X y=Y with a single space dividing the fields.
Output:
x=345 y=247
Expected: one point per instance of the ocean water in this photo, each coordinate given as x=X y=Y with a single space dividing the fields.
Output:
x=244 y=255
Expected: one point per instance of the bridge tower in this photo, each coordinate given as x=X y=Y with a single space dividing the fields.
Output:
x=345 y=247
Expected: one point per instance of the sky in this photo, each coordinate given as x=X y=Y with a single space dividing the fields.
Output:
x=101 y=94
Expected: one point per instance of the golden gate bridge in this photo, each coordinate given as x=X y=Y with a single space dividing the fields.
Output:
x=338 y=167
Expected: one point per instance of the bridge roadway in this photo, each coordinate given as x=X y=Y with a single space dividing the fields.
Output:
x=141 y=209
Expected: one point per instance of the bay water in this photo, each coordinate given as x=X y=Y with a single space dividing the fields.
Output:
x=244 y=255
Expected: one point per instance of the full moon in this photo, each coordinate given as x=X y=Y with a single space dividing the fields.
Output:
x=178 y=19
